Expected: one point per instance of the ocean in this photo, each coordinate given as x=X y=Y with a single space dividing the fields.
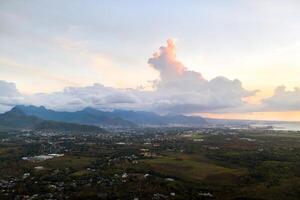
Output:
x=287 y=126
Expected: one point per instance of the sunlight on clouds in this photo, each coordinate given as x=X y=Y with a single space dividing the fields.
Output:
x=68 y=44
x=113 y=75
x=104 y=67
x=42 y=80
x=277 y=116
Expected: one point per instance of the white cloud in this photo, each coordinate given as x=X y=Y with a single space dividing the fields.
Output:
x=75 y=98
x=283 y=100
x=182 y=90
x=9 y=95
x=8 y=89
x=178 y=90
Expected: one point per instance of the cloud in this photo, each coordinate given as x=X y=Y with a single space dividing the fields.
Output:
x=185 y=91
x=178 y=90
x=283 y=100
x=9 y=95
x=8 y=89
x=165 y=62
x=75 y=98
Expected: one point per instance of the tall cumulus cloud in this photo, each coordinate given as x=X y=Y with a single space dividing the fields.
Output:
x=184 y=91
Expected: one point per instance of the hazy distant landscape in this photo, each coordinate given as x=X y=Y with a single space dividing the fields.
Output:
x=45 y=155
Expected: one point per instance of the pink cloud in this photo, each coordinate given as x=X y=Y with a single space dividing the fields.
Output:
x=166 y=63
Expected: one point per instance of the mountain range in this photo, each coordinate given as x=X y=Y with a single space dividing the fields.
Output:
x=116 y=118
x=17 y=119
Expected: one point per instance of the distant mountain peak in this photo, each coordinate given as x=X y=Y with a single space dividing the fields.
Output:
x=89 y=108
x=31 y=107
x=16 y=110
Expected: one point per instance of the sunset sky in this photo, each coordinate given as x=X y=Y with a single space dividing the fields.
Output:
x=223 y=59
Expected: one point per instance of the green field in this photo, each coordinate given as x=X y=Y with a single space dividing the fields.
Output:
x=188 y=168
x=74 y=162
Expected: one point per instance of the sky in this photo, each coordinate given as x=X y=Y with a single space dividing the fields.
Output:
x=223 y=59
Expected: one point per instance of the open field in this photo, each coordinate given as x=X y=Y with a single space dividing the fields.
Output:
x=189 y=169
x=74 y=162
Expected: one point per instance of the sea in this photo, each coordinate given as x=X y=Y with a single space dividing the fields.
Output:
x=286 y=126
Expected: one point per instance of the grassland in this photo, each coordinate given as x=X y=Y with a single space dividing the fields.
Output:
x=74 y=162
x=190 y=168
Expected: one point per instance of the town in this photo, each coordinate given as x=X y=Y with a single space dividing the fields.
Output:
x=150 y=163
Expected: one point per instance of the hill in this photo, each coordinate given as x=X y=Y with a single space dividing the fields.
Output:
x=17 y=119
x=120 y=118
x=86 y=116
x=150 y=118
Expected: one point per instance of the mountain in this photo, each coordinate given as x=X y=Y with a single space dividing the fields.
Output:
x=150 y=118
x=17 y=119
x=63 y=126
x=86 y=116
x=121 y=118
